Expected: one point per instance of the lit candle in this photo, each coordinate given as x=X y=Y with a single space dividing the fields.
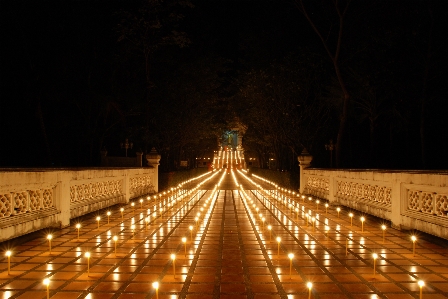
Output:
x=309 y=285
x=314 y=221
x=146 y=223
x=191 y=232
x=270 y=233
x=278 y=246
x=133 y=206
x=155 y=285
x=413 y=238
x=375 y=256
x=122 y=210
x=141 y=203
x=49 y=237
x=317 y=205
x=98 y=218
x=47 y=284
x=339 y=210
x=173 y=257
x=78 y=226
x=291 y=256
x=8 y=254
x=184 y=240
x=383 y=227
x=326 y=208
x=362 y=223
x=346 y=246
x=87 y=255
x=108 y=216
x=115 y=241
x=351 y=219
x=421 y=283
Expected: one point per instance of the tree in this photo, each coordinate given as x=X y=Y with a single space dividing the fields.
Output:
x=337 y=10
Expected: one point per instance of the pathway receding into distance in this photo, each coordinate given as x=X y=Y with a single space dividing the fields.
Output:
x=226 y=235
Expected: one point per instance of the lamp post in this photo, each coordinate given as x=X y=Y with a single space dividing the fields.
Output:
x=126 y=145
x=108 y=216
x=330 y=147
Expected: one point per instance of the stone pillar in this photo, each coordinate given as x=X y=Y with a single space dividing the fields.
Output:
x=104 y=159
x=396 y=199
x=138 y=159
x=153 y=159
x=62 y=197
x=304 y=162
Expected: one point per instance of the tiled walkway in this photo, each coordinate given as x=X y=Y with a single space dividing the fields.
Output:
x=229 y=252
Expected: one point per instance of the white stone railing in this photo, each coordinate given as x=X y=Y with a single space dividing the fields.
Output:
x=35 y=199
x=409 y=199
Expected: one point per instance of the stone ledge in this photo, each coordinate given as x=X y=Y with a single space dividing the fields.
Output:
x=22 y=224
x=87 y=206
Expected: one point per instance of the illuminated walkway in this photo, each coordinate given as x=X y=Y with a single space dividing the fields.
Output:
x=224 y=249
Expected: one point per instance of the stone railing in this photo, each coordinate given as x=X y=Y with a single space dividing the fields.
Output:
x=35 y=199
x=409 y=199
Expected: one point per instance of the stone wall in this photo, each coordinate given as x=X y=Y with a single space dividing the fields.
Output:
x=34 y=199
x=409 y=199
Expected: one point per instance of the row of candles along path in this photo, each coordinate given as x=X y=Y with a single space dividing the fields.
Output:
x=291 y=204
x=168 y=202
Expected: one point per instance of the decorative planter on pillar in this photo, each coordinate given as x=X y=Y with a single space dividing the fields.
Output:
x=153 y=159
x=304 y=162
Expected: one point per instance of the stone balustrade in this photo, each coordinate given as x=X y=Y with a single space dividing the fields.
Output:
x=408 y=199
x=33 y=199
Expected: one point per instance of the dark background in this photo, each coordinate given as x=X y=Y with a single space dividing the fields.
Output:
x=80 y=76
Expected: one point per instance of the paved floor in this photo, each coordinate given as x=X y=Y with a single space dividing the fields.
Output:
x=229 y=251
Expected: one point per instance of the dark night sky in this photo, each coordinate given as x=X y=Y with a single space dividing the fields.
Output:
x=60 y=55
